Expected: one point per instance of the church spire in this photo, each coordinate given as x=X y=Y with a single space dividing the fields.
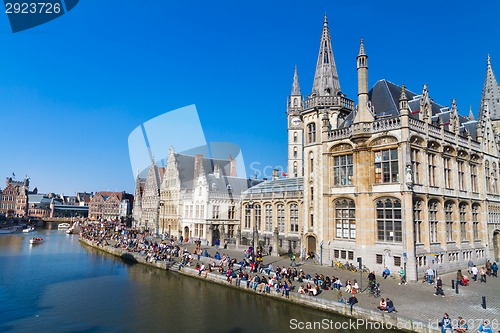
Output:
x=491 y=93
x=296 y=85
x=326 y=79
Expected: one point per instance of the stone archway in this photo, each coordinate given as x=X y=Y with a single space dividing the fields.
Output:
x=496 y=245
x=311 y=245
x=186 y=233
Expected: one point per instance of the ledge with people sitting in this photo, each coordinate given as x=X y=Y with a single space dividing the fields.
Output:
x=387 y=305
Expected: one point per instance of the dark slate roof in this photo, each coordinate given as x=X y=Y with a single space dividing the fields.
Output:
x=278 y=185
x=234 y=185
x=185 y=166
x=384 y=98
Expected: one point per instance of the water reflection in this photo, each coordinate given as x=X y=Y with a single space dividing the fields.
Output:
x=62 y=286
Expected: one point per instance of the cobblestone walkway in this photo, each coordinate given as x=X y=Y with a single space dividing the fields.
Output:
x=414 y=300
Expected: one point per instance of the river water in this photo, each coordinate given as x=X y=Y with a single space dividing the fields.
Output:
x=64 y=286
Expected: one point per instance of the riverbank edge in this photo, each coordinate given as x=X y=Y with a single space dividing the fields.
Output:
x=385 y=320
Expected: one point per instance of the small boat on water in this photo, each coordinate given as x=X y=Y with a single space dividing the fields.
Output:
x=29 y=229
x=36 y=240
x=63 y=226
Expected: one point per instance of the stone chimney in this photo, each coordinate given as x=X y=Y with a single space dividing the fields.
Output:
x=233 y=166
x=276 y=174
x=217 y=171
x=198 y=158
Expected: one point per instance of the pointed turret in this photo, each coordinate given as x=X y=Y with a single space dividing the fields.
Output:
x=363 y=114
x=295 y=99
x=491 y=93
x=296 y=85
x=403 y=102
x=454 y=121
x=326 y=79
x=471 y=114
x=425 y=105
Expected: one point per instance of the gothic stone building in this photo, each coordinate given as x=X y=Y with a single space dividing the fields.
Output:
x=193 y=197
x=399 y=180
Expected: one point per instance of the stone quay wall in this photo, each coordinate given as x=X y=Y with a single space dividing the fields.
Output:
x=382 y=320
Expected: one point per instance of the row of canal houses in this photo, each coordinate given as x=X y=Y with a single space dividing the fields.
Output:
x=16 y=200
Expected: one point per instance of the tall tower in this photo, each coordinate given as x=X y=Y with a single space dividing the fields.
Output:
x=295 y=130
x=325 y=110
x=363 y=114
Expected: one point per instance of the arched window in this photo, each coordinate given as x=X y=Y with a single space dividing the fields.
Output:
x=433 y=221
x=448 y=217
x=294 y=218
x=281 y=218
x=269 y=217
x=389 y=226
x=475 y=221
x=247 y=216
x=462 y=209
x=489 y=187
x=257 y=216
x=311 y=133
x=345 y=219
x=495 y=179
x=417 y=220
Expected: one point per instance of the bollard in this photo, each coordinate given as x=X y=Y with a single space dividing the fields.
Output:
x=484 y=302
x=456 y=288
x=452 y=284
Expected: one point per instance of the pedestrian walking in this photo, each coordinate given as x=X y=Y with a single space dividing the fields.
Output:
x=430 y=275
x=474 y=271
x=482 y=273
x=402 y=275
x=439 y=287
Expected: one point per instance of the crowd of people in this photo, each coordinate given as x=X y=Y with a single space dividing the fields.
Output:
x=118 y=235
x=252 y=273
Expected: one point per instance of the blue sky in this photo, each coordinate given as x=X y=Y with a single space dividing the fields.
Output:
x=72 y=90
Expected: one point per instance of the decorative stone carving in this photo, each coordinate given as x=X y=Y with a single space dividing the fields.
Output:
x=384 y=141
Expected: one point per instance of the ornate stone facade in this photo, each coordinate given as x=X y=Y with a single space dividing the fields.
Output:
x=399 y=181
x=198 y=198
